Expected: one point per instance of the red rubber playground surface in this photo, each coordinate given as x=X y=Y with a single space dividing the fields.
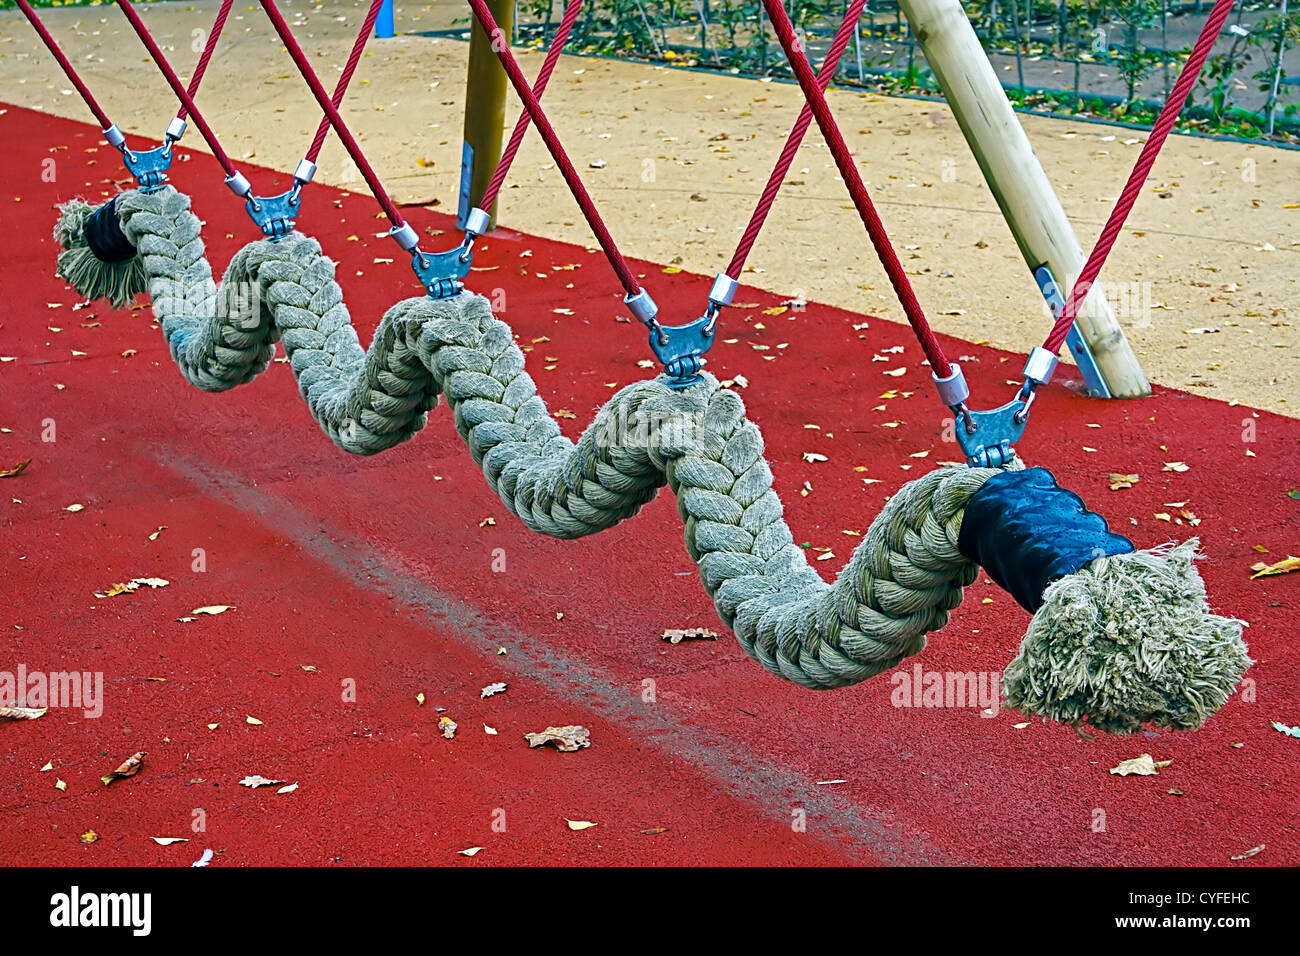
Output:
x=378 y=573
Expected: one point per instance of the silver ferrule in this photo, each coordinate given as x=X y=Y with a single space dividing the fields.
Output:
x=405 y=236
x=114 y=137
x=642 y=307
x=176 y=128
x=305 y=172
x=477 y=222
x=723 y=290
x=953 y=390
x=1040 y=366
x=238 y=184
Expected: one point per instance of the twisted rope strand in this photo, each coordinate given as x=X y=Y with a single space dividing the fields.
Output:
x=901 y=582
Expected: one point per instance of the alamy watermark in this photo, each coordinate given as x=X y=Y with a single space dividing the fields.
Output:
x=922 y=688
x=37 y=690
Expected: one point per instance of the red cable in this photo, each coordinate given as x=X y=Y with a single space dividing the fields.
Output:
x=48 y=39
x=331 y=112
x=1137 y=178
x=345 y=77
x=206 y=56
x=177 y=86
x=849 y=172
x=534 y=108
x=539 y=87
x=824 y=77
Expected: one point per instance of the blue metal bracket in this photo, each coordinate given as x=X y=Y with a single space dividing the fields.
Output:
x=1083 y=357
x=441 y=272
x=681 y=349
x=986 y=437
x=466 y=181
x=275 y=215
x=149 y=167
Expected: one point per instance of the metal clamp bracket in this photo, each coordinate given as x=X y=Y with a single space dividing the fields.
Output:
x=441 y=272
x=149 y=167
x=275 y=215
x=681 y=349
x=986 y=437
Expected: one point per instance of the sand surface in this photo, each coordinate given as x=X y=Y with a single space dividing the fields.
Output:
x=1205 y=275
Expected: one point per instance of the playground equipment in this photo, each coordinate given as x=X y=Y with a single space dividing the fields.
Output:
x=1119 y=638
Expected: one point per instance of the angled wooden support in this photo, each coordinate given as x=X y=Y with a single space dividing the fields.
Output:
x=1028 y=203
x=485 y=110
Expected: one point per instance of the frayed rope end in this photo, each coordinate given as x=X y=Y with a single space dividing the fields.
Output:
x=92 y=277
x=1128 y=641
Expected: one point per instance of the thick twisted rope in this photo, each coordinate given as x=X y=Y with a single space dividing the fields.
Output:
x=901 y=582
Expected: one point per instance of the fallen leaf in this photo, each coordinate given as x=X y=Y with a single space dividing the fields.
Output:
x=1118 y=481
x=250 y=719
x=447 y=726
x=90 y=836
x=22 y=713
x=15 y=470
x=75 y=508
x=419 y=699
x=289 y=789
x=677 y=635
x=1282 y=728
x=204 y=860
x=568 y=738
x=1175 y=466
x=129 y=768
x=491 y=689
x=470 y=851
x=1141 y=766
x=257 y=780
x=490 y=731
x=126 y=587
x=580 y=824
x=213 y=609
x=1285 y=566
x=168 y=841
x=60 y=785
x=1249 y=853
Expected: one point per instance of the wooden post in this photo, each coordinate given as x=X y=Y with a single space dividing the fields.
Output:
x=485 y=109
x=1017 y=180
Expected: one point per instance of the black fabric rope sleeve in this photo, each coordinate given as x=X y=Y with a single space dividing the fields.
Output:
x=105 y=237
x=1027 y=531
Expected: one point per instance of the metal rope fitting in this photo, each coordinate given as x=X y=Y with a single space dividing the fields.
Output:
x=405 y=236
x=176 y=128
x=953 y=390
x=477 y=222
x=1040 y=366
x=723 y=290
x=114 y=137
x=238 y=184
x=305 y=171
x=644 y=309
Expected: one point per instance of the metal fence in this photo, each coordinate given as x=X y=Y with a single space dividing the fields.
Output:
x=1080 y=57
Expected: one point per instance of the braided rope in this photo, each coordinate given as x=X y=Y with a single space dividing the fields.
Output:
x=901 y=582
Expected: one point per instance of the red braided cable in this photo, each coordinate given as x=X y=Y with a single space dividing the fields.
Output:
x=849 y=172
x=489 y=26
x=1137 y=178
x=331 y=112
x=48 y=39
x=205 y=57
x=177 y=86
x=345 y=77
x=824 y=77
x=539 y=87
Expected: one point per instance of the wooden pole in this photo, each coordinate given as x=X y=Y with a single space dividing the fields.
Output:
x=1017 y=180
x=485 y=109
